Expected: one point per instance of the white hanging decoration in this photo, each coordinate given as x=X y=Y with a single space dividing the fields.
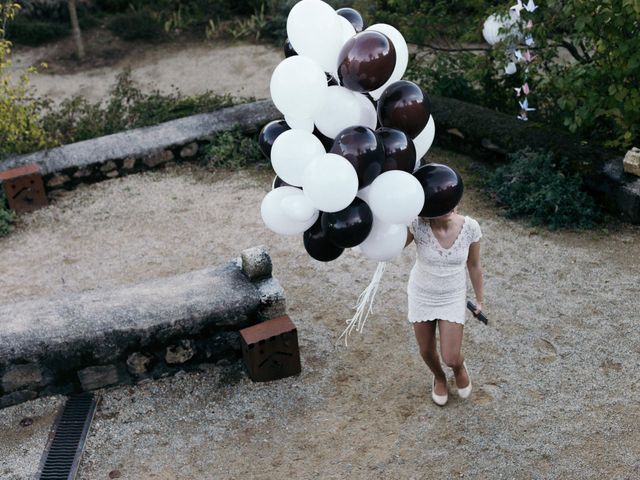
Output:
x=364 y=306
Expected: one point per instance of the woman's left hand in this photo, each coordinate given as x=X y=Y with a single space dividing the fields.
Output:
x=478 y=308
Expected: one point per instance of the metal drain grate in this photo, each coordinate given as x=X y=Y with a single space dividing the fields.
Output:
x=64 y=448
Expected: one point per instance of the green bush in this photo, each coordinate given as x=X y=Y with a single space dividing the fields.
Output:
x=127 y=107
x=31 y=32
x=535 y=186
x=232 y=149
x=6 y=216
x=136 y=25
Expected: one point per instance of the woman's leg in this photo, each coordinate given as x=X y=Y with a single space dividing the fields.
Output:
x=450 y=346
x=426 y=338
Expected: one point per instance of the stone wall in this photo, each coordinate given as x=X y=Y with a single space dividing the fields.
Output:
x=140 y=149
x=70 y=343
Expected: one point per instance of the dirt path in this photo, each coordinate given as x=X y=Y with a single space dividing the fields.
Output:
x=241 y=69
x=556 y=373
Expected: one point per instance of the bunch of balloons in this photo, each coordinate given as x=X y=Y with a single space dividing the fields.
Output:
x=352 y=136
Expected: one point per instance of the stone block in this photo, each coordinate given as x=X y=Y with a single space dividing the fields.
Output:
x=156 y=159
x=189 y=150
x=273 y=302
x=631 y=162
x=138 y=363
x=108 y=166
x=256 y=262
x=17 y=397
x=180 y=353
x=19 y=377
x=92 y=378
x=129 y=163
x=82 y=173
x=112 y=174
x=57 y=181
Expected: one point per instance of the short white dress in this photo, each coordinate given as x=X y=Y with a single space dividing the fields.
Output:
x=437 y=288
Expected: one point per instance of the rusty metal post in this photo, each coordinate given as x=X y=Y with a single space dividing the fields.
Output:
x=24 y=188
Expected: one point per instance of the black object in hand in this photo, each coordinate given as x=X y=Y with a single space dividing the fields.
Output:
x=480 y=316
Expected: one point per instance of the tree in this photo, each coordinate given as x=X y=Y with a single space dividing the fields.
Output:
x=75 y=28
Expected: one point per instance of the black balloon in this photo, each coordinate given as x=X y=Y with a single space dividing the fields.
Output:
x=348 y=227
x=353 y=16
x=366 y=61
x=400 y=152
x=442 y=187
x=288 y=49
x=364 y=150
x=318 y=246
x=268 y=135
x=403 y=105
x=327 y=142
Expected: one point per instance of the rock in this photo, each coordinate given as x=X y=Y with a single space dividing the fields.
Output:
x=17 y=397
x=273 y=302
x=20 y=377
x=92 y=378
x=256 y=262
x=57 y=181
x=113 y=174
x=82 y=173
x=189 y=150
x=631 y=162
x=137 y=363
x=180 y=353
x=158 y=158
x=108 y=166
x=129 y=163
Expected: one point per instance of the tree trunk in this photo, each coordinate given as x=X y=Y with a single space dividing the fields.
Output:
x=75 y=28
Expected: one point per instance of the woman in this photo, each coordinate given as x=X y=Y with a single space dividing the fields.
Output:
x=437 y=293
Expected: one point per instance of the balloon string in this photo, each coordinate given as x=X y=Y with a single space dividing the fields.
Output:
x=364 y=305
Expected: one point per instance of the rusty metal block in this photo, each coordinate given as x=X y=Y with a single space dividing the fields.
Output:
x=270 y=349
x=24 y=188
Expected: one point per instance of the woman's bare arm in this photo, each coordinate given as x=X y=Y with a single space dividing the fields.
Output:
x=475 y=272
x=409 y=237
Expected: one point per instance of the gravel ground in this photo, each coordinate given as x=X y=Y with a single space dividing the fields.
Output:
x=556 y=377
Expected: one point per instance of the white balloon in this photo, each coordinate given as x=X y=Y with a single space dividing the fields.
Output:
x=342 y=109
x=348 y=30
x=385 y=242
x=368 y=113
x=298 y=87
x=424 y=140
x=402 y=55
x=330 y=182
x=291 y=152
x=305 y=124
x=363 y=193
x=315 y=31
x=298 y=207
x=492 y=25
x=396 y=197
x=275 y=218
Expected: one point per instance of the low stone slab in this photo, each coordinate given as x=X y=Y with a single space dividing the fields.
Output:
x=99 y=338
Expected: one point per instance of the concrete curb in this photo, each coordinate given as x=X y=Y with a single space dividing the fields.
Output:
x=99 y=338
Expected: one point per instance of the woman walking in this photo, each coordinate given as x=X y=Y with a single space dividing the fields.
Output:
x=437 y=293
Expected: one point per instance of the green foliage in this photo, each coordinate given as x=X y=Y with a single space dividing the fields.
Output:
x=535 y=186
x=27 y=31
x=20 y=127
x=232 y=149
x=595 y=93
x=7 y=217
x=136 y=25
x=127 y=107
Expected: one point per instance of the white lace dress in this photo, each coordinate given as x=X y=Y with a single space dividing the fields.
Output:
x=437 y=286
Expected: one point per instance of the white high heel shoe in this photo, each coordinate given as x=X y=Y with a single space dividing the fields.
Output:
x=466 y=391
x=440 y=400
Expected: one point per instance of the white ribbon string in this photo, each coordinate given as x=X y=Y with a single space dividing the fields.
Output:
x=364 y=306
